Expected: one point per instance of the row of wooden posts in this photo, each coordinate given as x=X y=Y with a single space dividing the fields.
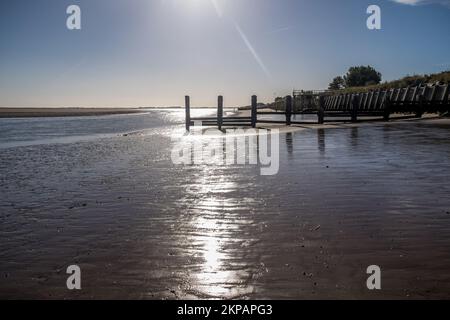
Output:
x=221 y=121
x=412 y=100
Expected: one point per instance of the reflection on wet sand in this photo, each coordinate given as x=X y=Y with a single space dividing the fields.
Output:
x=289 y=143
x=354 y=136
x=217 y=233
x=321 y=140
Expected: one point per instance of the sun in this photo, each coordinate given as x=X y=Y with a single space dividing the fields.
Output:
x=197 y=2
x=201 y=4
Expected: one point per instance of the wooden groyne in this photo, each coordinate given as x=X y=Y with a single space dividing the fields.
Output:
x=411 y=100
x=219 y=120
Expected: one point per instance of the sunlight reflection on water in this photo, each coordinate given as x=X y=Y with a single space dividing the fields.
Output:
x=20 y=132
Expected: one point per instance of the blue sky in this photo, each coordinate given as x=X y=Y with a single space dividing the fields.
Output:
x=133 y=53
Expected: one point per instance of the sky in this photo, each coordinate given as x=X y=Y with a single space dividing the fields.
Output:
x=151 y=53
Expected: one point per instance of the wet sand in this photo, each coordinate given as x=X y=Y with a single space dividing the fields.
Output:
x=63 y=112
x=347 y=196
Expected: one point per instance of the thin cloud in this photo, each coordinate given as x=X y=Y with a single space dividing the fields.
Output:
x=423 y=2
x=283 y=29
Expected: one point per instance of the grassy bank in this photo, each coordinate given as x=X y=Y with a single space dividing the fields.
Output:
x=414 y=80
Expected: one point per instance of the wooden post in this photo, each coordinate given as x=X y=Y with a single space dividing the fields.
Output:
x=220 y=112
x=254 y=111
x=355 y=105
x=321 y=111
x=288 y=110
x=445 y=102
x=420 y=106
x=187 y=101
x=387 y=108
x=294 y=103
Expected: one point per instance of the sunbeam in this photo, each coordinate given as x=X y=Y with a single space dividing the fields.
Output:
x=252 y=50
x=218 y=8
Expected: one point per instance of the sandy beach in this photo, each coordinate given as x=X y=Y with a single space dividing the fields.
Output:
x=63 y=112
x=347 y=196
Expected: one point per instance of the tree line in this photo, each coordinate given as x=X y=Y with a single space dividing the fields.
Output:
x=368 y=78
x=360 y=76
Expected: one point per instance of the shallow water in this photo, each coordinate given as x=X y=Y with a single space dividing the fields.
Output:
x=142 y=227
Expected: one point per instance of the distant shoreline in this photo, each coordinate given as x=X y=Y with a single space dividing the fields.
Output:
x=17 y=112
x=64 y=112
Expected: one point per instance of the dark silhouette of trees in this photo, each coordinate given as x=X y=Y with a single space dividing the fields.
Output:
x=337 y=83
x=361 y=76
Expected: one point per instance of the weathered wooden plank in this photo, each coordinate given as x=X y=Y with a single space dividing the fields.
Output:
x=445 y=95
x=433 y=94
x=364 y=102
x=220 y=112
x=330 y=105
x=420 y=106
x=187 y=103
x=380 y=101
x=354 y=104
x=369 y=105
x=397 y=95
x=341 y=102
x=288 y=110
x=387 y=107
x=377 y=97
x=405 y=95
x=224 y=120
x=427 y=93
x=391 y=94
x=227 y=124
x=321 y=112
x=333 y=102
x=336 y=98
x=254 y=117
x=413 y=98
x=349 y=104
x=344 y=102
x=439 y=93
x=327 y=102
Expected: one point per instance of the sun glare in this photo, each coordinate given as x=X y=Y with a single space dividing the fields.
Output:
x=197 y=3
x=200 y=5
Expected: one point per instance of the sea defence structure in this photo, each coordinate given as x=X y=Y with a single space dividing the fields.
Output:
x=413 y=101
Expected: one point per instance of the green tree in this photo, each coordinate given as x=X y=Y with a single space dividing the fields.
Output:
x=361 y=76
x=338 y=83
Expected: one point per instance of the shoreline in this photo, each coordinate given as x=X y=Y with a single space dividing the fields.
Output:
x=64 y=112
x=19 y=112
x=334 y=124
